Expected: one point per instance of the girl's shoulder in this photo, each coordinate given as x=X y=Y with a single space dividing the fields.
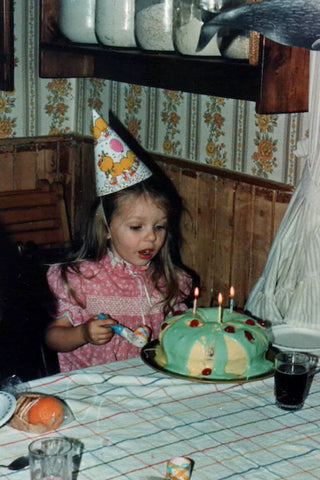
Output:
x=54 y=270
x=86 y=268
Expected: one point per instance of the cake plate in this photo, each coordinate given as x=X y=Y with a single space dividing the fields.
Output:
x=148 y=356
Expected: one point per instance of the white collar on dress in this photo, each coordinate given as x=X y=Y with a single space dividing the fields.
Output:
x=119 y=261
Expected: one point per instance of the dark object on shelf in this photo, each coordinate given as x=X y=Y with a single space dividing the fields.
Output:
x=278 y=20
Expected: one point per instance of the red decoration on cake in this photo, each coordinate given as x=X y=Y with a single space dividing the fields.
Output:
x=249 y=336
x=250 y=321
x=229 y=329
x=194 y=323
x=261 y=322
x=206 y=371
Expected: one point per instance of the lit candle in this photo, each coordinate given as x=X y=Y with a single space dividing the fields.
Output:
x=231 y=295
x=196 y=294
x=220 y=300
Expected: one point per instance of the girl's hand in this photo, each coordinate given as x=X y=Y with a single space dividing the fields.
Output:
x=96 y=331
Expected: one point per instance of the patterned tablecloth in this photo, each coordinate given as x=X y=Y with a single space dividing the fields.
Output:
x=132 y=419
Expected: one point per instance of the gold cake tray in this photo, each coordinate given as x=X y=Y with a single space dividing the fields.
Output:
x=148 y=357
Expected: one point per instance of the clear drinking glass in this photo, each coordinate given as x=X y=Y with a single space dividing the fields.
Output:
x=51 y=459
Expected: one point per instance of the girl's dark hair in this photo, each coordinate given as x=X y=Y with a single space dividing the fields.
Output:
x=167 y=262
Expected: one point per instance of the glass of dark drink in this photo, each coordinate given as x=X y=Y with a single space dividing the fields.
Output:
x=291 y=379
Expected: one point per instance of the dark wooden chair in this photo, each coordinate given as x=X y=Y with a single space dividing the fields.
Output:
x=36 y=216
x=35 y=224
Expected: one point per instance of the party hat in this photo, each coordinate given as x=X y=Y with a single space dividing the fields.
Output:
x=116 y=165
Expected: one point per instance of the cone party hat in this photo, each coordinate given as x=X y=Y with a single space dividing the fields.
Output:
x=116 y=165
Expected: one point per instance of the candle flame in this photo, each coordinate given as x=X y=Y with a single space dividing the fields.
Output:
x=196 y=292
x=232 y=292
x=220 y=299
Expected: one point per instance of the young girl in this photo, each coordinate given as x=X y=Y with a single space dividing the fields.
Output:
x=127 y=268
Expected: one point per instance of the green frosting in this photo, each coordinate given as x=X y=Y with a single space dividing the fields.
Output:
x=200 y=346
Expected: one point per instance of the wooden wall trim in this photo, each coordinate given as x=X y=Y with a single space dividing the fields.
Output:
x=221 y=173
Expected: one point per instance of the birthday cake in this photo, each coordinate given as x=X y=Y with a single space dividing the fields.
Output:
x=198 y=345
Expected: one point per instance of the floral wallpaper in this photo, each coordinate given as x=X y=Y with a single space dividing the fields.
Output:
x=215 y=131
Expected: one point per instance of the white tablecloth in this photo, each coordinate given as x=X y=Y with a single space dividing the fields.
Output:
x=132 y=419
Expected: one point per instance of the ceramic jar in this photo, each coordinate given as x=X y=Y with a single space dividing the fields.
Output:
x=153 y=24
x=234 y=44
x=77 y=20
x=115 y=22
x=187 y=25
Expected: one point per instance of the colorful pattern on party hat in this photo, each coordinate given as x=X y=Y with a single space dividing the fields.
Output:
x=116 y=166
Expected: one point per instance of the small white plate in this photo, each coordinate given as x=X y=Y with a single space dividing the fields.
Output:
x=7 y=406
x=300 y=339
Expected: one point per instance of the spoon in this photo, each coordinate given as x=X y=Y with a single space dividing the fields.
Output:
x=18 y=463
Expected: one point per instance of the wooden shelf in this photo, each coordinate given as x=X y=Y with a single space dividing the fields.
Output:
x=278 y=84
x=6 y=46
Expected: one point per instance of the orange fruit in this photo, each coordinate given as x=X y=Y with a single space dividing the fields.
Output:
x=46 y=411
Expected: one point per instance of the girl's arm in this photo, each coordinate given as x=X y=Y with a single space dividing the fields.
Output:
x=61 y=336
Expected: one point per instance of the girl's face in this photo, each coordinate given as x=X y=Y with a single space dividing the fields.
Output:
x=138 y=230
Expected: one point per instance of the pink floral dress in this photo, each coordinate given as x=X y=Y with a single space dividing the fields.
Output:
x=113 y=287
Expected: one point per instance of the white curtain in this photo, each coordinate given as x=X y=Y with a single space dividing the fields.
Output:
x=289 y=288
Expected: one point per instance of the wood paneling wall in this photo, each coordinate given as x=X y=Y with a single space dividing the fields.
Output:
x=228 y=226
x=66 y=159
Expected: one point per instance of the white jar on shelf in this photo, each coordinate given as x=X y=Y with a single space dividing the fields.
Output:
x=153 y=24
x=187 y=25
x=77 y=20
x=115 y=22
x=234 y=44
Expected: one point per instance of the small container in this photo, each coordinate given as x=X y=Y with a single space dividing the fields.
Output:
x=234 y=44
x=187 y=25
x=77 y=20
x=115 y=23
x=153 y=24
